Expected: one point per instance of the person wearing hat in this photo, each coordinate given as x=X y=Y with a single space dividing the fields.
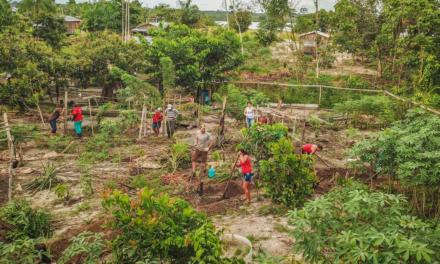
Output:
x=157 y=120
x=171 y=115
x=203 y=143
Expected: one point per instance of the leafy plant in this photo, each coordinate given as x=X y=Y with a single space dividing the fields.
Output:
x=86 y=184
x=351 y=224
x=86 y=247
x=62 y=192
x=59 y=142
x=129 y=118
x=22 y=250
x=27 y=222
x=180 y=154
x=409 y=153
x=46 y=180
x=157 y=227
x=287 y=177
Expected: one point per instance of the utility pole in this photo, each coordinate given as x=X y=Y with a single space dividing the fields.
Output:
x=227 y=13
x=125 y=20
x=317 y=38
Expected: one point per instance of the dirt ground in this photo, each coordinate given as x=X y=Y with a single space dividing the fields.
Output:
x=147 y=158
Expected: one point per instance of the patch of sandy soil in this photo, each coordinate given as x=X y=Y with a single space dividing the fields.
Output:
x=266 y=232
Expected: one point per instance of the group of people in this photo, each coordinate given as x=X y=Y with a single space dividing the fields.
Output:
x=204 y=141
x=76 y=117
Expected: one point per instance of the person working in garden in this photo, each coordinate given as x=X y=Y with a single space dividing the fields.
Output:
x=157 y=120
x=244 y=161
x=310 y=149
x=54 y=117
x=77 y=119
x=203 y=143
x=171 y=116
x=249 y=113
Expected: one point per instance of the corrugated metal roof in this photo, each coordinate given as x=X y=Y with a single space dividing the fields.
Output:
x=316 y=32
x=71 y=19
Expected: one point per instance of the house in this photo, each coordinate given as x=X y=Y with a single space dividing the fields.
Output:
x=308 y=41
x=72 y=24
x=143 y=29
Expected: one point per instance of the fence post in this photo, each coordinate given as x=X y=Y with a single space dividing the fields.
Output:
x=41 y=115
x=91 y=118
x=65 y=112
x=11 y=155
x=320 y=95
x=141 y=126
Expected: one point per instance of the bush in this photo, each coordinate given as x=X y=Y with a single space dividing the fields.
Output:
x=129 y=118
x=155 y=227
x=257 y=139
x=27 y=222
x=23 y=251
x=379 y=106
x=87 y=247
x=180 y=155
x=408 y=152
x=236 y=101
x=354 y=225
x=287 y=177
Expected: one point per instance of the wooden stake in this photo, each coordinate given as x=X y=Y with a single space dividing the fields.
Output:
x=41 y=115
x=65 y=113
x=320 y=95
x=141 y=126
x=11 y=155
x=91 y=117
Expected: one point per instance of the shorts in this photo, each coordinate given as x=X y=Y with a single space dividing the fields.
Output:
x=248 y=176
x=156 y=124
x=199 y=156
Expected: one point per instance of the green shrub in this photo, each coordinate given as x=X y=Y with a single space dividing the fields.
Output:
x=27 y=222
x=87 y=246
x=287 y=177
x=379 y=106
x=236 y=103
x=46 y=180
x=258 y=139
x=129 y=118
x=155 y=227
x=408 y=152
x=180 y=155
x=354 y=225
x=62 y=192
x=22 y=250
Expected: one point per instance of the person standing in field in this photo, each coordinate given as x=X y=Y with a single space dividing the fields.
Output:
x=244 y=161
x=310 y=149
x=249 y=113
x=203 y=144
x=54 y=117
x=77 y=119
x=157 y=120
x=171 y=116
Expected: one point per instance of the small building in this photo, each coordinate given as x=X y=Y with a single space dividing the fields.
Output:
x=144 y=28
x=308 y=41
x=72 y=24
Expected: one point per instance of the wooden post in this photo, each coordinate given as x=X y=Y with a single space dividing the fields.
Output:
x=65 y=113
x=180 y=99
x=320 y=95
x=41 y=115
x=141 y=126
x=11 y=155
x=91 y=117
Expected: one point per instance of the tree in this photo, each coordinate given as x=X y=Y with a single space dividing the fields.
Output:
x=241 y=19
x=51 y=29
x=198 y=57
x=276 y=15
x=189 y=14
x=36 y=8
x=6 y=14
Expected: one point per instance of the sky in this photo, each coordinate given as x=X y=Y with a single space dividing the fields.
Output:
x=217 y=4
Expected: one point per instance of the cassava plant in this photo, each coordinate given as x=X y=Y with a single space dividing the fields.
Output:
x=407 y=153
x=352 y=224
x=180 y=154
x=86 y=248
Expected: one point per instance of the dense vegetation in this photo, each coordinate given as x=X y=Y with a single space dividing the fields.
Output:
x=352 y=224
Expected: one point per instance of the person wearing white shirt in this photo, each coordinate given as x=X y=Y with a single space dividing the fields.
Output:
x=249 y=113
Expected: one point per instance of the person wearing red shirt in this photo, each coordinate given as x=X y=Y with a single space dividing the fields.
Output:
x=157 y=121
x=244 y=161
x=77 y=119
x=310 y=149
